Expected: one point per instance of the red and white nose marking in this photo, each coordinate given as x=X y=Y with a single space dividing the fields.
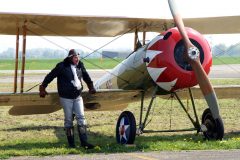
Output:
x=163 y=54
x=155 y=66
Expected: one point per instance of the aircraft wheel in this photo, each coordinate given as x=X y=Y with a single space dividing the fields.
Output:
x=126 y=128
x=215 y=129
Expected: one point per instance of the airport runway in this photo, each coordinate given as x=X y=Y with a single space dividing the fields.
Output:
x=218 y=71
x=225 y=71
x=161 y=155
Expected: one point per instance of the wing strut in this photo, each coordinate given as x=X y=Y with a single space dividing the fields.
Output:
x=16 y=60
x=23 y=55
x=137 y=43
x=135 y=40
x=144 y=38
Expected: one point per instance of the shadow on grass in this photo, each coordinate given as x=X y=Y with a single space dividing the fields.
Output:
x=31 y=145
x=104 y=143
x=31 y=128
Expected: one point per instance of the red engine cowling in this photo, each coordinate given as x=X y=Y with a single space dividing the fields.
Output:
x=166 y=64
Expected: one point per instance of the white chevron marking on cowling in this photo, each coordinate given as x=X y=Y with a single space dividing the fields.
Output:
x=167 y=85
x=155 y=40
x=155 y=72
x=151 y=54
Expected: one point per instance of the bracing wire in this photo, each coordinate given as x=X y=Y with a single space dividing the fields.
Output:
x=48 y=40
x=93 y=50
x=227 y=51
x=33 y=87
x=164 y=104
x=85 y=60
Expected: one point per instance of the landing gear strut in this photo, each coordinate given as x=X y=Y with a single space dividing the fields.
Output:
x=126 y=124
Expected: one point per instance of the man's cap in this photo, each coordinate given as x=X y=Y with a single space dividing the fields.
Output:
x=73 y=52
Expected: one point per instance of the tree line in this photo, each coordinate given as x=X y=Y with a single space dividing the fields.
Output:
x=48 y=53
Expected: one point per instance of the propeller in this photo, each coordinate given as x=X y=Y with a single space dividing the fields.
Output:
x=191 y=55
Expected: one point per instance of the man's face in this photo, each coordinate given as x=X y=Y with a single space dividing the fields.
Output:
x=75 y=60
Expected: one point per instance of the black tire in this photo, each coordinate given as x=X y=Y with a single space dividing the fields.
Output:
x=126 y=128
x=215 y=128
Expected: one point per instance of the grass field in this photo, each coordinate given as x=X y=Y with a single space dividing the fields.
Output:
x=226 y=60
x=40 y=64
x=41 y=135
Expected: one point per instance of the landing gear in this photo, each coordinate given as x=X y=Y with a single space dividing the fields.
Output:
x=126 y=128
x=214 y=127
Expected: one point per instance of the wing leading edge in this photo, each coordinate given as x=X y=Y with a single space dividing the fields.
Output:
x=103 y=100
x=69 y=25
x=31 y=103
x=65 y=25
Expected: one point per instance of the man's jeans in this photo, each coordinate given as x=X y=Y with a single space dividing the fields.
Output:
x=70 y=107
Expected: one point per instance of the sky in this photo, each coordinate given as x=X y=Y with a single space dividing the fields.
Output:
x=123 y=8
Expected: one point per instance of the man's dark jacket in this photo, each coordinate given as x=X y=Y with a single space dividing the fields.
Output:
x=64 y=75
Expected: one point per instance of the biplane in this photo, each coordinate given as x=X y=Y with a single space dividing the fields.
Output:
x=171 y=64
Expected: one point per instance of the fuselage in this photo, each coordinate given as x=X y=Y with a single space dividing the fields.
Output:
x=160 y=62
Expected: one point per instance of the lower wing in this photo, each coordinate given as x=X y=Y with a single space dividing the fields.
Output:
x=103 y=100
x=31 y=103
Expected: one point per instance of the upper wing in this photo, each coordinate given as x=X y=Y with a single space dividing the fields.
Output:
x=215 y=25
x=69 y=25
x=65 y=25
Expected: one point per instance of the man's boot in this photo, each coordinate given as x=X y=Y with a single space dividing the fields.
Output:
x=70 y=137
x=82 y=130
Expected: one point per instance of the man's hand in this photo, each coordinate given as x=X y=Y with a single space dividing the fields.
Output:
x=42 y=91
x=91 y=88
x=92 y=91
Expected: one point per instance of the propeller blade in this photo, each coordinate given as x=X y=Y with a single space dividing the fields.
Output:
x=179 y=23
x=192 y=56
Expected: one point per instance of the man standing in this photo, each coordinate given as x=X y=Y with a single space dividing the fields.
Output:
x=69 y=73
